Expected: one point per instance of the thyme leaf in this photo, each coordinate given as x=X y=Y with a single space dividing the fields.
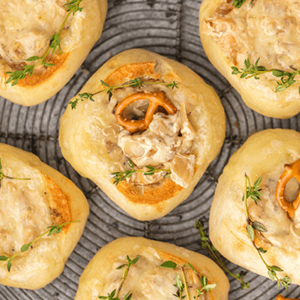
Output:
x=251 y=192
x=181 y=286
x=239 y=3
x=205 y=287
x=51 y=230
x=216 y=256
x=120 y=176
x=137 y=83
x=115 y=294
x=72 y=7
x=287 y=79
x=3 y=176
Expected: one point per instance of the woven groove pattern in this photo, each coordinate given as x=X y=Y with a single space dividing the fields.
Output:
x=170 y=28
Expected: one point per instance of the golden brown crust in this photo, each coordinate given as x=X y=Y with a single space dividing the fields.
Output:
x=60 y=204
x=150 y=195
x=35 y=79
x=131 y=71
x=279 y=297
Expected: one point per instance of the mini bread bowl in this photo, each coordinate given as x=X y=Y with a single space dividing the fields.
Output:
x=264 y=31
x=40 y=198
x=146 y=279
x=268 y=155
x=98 y=146
x=27 y=29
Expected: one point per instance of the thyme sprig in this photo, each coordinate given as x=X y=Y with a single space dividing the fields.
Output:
x=120 y=176
x=72 y=7
x=137 y=82
x=51 y=230
x=239 y=3
x=254 y=193
x=287 y=79
x=115 y=294
x=2 y=175
x=216 y=256
x=183 y=286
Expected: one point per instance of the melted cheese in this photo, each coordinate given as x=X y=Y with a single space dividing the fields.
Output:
x=27 y=208
x=26 y=27
x=282 y=231
x=166 y=144
x=270 y=30
x=146 y=280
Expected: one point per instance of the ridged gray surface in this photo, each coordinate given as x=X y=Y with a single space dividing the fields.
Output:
x=170 y=28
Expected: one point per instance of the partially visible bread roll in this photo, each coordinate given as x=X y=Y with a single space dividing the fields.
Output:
x=264 y=154
x=26 y=31
x=258 y=31
x=27 y=209
x=146 y=278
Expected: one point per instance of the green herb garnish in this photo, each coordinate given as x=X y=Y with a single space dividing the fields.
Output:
x=183 y=286
x=120 y=176
x=254 y=193
x=216 y=256
x=2 y=176
x=287 y=79
x=72 y=7
x=51 y=230
x=239 y=3
x=138 y=83
x=205 y=287
x=115 y=294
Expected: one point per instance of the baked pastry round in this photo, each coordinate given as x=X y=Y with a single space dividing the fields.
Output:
x=27 y=31
x=265 y=154
x=264 y=31
x=157 y=161
x=146 y=278
x=27 y=209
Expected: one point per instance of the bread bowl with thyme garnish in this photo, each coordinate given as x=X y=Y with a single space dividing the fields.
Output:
x=261 y=234
x=144 y=128
x=42 y=217
x=43 y=43
x=255 y=45
x=137 y=268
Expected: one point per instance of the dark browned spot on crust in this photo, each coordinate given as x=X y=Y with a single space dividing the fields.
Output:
x=151 y=195
x=59 y=203
x=36 y=79
x=131 y=71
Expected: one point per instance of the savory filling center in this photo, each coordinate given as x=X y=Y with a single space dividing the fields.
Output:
x=26 y=28
x=154 y=281
x=282 y=231
x=162 y=139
